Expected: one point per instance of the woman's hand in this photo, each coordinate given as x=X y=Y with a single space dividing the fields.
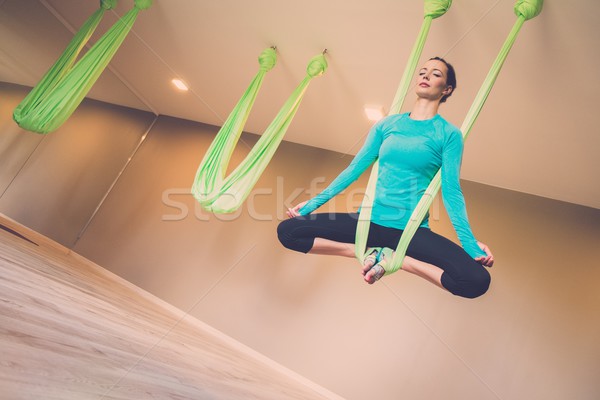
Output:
x=294 y=211
x=488 y=260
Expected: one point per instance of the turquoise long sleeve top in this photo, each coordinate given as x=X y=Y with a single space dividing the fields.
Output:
x=410 y=153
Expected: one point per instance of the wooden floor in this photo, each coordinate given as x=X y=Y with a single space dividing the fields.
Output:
x=71 y=330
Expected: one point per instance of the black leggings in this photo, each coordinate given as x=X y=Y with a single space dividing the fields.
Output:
x=462 y=276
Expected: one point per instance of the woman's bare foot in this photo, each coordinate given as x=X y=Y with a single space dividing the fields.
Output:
x=371 y=259
x=374 y=274
x=378 y=270
x=372 y=271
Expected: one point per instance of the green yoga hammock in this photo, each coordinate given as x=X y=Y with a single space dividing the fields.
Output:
x=525 y=10
x=223 y=194
x=52 y=101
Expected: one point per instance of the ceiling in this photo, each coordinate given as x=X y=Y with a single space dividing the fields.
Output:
x=535 y=135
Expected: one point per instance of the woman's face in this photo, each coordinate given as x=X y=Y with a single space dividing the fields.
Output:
x=431 y=80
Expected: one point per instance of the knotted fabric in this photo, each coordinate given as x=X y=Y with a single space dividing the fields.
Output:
x=436 y=8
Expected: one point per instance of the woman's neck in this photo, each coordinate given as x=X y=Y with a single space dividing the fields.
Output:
x=424 y=109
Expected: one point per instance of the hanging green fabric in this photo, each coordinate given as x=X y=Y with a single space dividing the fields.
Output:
x=525 y=10
x=432 y=9
x=52 y=101
x=222 y=194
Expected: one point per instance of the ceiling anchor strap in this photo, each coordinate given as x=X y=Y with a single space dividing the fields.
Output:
x=221 y=193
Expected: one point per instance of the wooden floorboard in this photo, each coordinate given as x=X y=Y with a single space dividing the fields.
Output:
x=72 y=330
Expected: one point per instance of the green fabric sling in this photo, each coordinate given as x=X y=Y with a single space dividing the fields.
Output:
x=223 y=194
x=525 y=10
x=52 y=101
x=432 y=9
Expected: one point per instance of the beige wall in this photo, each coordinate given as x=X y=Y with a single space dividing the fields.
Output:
x=534 y=335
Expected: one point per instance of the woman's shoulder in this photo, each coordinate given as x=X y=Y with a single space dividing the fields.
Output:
x=388 y=124
x=447 y=124
x=392 y=118
x=391 y=122
x=448 y=127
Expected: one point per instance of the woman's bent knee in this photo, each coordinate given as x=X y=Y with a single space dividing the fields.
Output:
x=472 y=286
x=287 y=237
x=284 y=233
x=478 y=285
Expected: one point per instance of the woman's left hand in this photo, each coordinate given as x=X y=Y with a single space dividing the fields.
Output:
x=488 y=260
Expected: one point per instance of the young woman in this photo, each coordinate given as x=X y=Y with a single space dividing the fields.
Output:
x=411 y=147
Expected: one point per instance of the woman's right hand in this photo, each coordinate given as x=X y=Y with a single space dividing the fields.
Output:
x=294 y=211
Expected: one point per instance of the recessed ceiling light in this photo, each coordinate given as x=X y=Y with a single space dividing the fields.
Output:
x=374 y=113
x=179 y=84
